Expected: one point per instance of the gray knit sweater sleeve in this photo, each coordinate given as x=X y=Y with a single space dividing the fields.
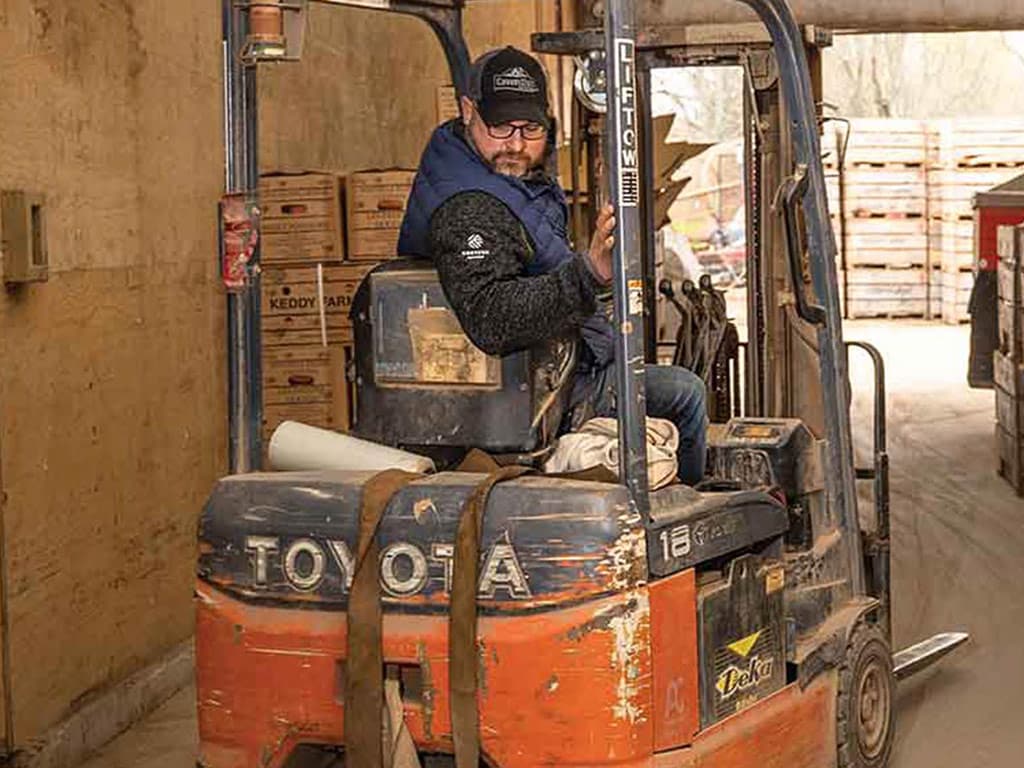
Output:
x=481 y=251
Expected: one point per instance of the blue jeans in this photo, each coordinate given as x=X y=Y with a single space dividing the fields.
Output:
x=675 y=394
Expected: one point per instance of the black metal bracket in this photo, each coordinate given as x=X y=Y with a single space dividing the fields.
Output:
x=571 y=43
x=793 y=191
x=652 y=52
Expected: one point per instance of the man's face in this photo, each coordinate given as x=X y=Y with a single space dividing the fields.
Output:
x=513 y=156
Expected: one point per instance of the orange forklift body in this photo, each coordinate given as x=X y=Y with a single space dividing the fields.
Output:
x=612 y=682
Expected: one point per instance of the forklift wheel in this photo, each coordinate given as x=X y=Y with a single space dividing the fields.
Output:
x=864 y=709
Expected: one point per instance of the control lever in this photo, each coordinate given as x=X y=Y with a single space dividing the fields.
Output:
x=717 y=325
x=698 y=337
x=665 y=289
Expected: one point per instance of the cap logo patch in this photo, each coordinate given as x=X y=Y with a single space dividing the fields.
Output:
x=515 y=79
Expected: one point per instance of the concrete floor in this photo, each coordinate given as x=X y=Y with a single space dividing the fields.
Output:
x=958 y=563
x=958 y=549
x=166 y=739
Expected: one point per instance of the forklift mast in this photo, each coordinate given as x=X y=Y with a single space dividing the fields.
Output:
x=777 y=385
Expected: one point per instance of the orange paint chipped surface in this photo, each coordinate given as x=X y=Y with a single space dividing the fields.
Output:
x=568 y=687
x=676 y=667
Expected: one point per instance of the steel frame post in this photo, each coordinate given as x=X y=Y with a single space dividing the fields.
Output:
x=755 y=373
x=241 y=172
x=245 y=395
x=878 y=553
x=623 y=156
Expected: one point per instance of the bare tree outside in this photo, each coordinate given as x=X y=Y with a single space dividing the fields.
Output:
x=896 y=75
x=926 y=75
x=706 y=101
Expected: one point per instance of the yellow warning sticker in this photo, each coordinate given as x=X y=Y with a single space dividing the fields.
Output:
x=744 y=646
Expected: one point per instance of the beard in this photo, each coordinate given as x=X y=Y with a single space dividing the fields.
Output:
x=516 y=165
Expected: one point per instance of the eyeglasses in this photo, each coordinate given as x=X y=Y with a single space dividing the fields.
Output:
x=529 y=131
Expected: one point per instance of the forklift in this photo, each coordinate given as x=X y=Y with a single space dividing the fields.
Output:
x=741 y=622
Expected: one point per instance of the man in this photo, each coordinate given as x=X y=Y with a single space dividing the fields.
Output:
x=495 y=225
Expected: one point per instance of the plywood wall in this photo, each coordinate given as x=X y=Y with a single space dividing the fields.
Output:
x=112 y=406
x=363 y=95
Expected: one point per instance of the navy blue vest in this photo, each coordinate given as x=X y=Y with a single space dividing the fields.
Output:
x=450 y=166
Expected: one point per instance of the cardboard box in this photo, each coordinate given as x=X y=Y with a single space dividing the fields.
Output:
x=372 y=244
x=296 y=290
x=375 y=204
x=293 y=330
x=443 y=354
x=301 y=218
x=328 y=405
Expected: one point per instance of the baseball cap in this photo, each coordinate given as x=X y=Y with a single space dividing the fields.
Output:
x=508 y=84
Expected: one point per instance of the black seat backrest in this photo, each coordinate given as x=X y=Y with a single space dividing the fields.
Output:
x=421 y=382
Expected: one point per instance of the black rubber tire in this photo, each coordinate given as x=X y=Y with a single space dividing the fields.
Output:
x=865 y=702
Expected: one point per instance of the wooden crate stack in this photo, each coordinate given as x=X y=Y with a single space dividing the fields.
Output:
x=884 y=250
x=1009 y=358
x=309 y=277
x=965 y=156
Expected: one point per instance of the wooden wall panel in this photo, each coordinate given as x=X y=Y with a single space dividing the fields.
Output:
x=112 y=412
x=363 y=95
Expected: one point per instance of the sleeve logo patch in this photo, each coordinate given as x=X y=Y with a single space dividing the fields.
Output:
x=475 y=248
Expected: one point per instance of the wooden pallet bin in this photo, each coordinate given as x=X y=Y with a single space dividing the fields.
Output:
x=905 y=195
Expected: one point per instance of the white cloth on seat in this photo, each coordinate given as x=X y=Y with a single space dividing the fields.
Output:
x=596 y=443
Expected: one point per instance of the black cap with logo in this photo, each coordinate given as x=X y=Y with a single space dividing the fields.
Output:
x=508 y=84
